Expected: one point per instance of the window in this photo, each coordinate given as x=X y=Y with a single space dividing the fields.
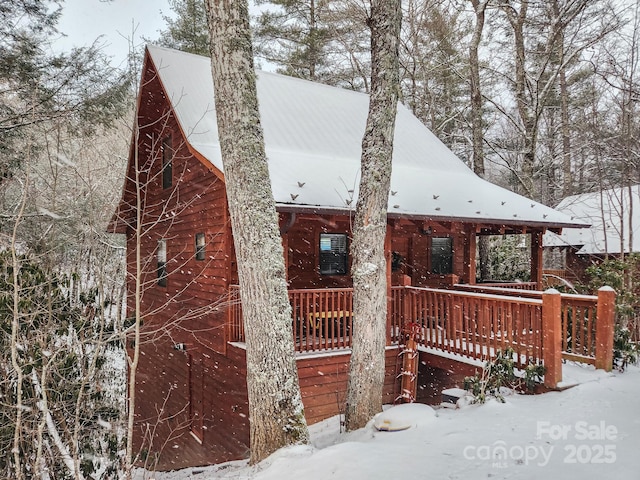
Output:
x=167 y=158
x=200 y=246
x=441 y=255
x=397 y=261
x=162 y=263
x=333 y=254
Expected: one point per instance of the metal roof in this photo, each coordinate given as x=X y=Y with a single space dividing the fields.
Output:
x=313 y=136
x=608 y=213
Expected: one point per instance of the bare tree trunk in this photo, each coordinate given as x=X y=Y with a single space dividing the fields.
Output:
x=567 y=178
x=517 y=19
x=15 y=329
x=276 y=413
x=477 y=133
x=134 y=359
x=366 y=372
x=476 y=94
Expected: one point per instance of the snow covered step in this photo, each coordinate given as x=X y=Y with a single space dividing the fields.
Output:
x=450 y=396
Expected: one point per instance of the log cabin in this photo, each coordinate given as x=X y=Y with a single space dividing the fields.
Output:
x=191 y=406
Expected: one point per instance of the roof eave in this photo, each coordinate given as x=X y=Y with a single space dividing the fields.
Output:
x=334 y=210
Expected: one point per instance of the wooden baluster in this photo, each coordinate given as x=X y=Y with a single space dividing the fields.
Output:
x=565 y=329
x=590 y=329
x=486 y=329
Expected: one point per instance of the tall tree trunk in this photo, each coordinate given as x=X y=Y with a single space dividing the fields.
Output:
x=276 y=413
x=477 y=133
x=479 y=8
x=526 y=112
x=529 y=124
x=133 y=357
x=15 y=340
x=567 y=179
x=366 y=371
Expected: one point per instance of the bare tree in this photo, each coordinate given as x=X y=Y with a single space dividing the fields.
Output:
x=477 y=124
x=366 y=369
x=276 y=413
x=547 y=37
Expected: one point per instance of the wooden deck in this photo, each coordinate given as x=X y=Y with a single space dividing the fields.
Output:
x=469 y=322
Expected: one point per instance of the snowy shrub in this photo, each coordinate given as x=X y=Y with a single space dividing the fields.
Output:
x=625 y=351
x=52 y=362
x=509 y=258
x=624 y=277
x=500 y=374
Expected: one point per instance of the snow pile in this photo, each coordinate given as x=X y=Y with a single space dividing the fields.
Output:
x=402 y=417
x=589 y=431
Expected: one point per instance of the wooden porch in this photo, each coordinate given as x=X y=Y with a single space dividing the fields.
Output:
x=467 y=323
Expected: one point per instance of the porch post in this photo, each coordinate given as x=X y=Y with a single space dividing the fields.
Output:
x=605 y=321
x=536 y=258
x=469 y=270
x=552 y=337
x=387 y=254
x=285 y=249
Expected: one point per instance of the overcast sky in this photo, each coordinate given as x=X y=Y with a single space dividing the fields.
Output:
x=117 y=21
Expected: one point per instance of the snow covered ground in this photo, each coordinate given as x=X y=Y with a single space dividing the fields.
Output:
x=589 y=431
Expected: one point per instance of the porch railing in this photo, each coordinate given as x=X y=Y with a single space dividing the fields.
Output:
x=555 y=272
x=514 y=285
x=235 y=325
x=580 y=328
x=472 y=325
x=475 y=323
x=321 y=318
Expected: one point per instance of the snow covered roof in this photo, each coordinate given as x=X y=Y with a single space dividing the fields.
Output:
x=313 y=135
x=608 y=213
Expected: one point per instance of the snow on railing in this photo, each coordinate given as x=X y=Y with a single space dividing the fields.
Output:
x=582 y=327
x=475 y=325
x=540 y=327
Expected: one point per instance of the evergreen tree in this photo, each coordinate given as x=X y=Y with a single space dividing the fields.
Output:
x=188 y=30
x=295 y=37
x=433 y=67
x=54 y=414
x=38 y=86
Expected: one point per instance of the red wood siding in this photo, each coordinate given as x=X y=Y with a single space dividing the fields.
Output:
x=196 y=203
x=163 y=424
x=190 y=309
x=323 y=382
x=412 y=241
x=303 y=240
x=409 y=239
